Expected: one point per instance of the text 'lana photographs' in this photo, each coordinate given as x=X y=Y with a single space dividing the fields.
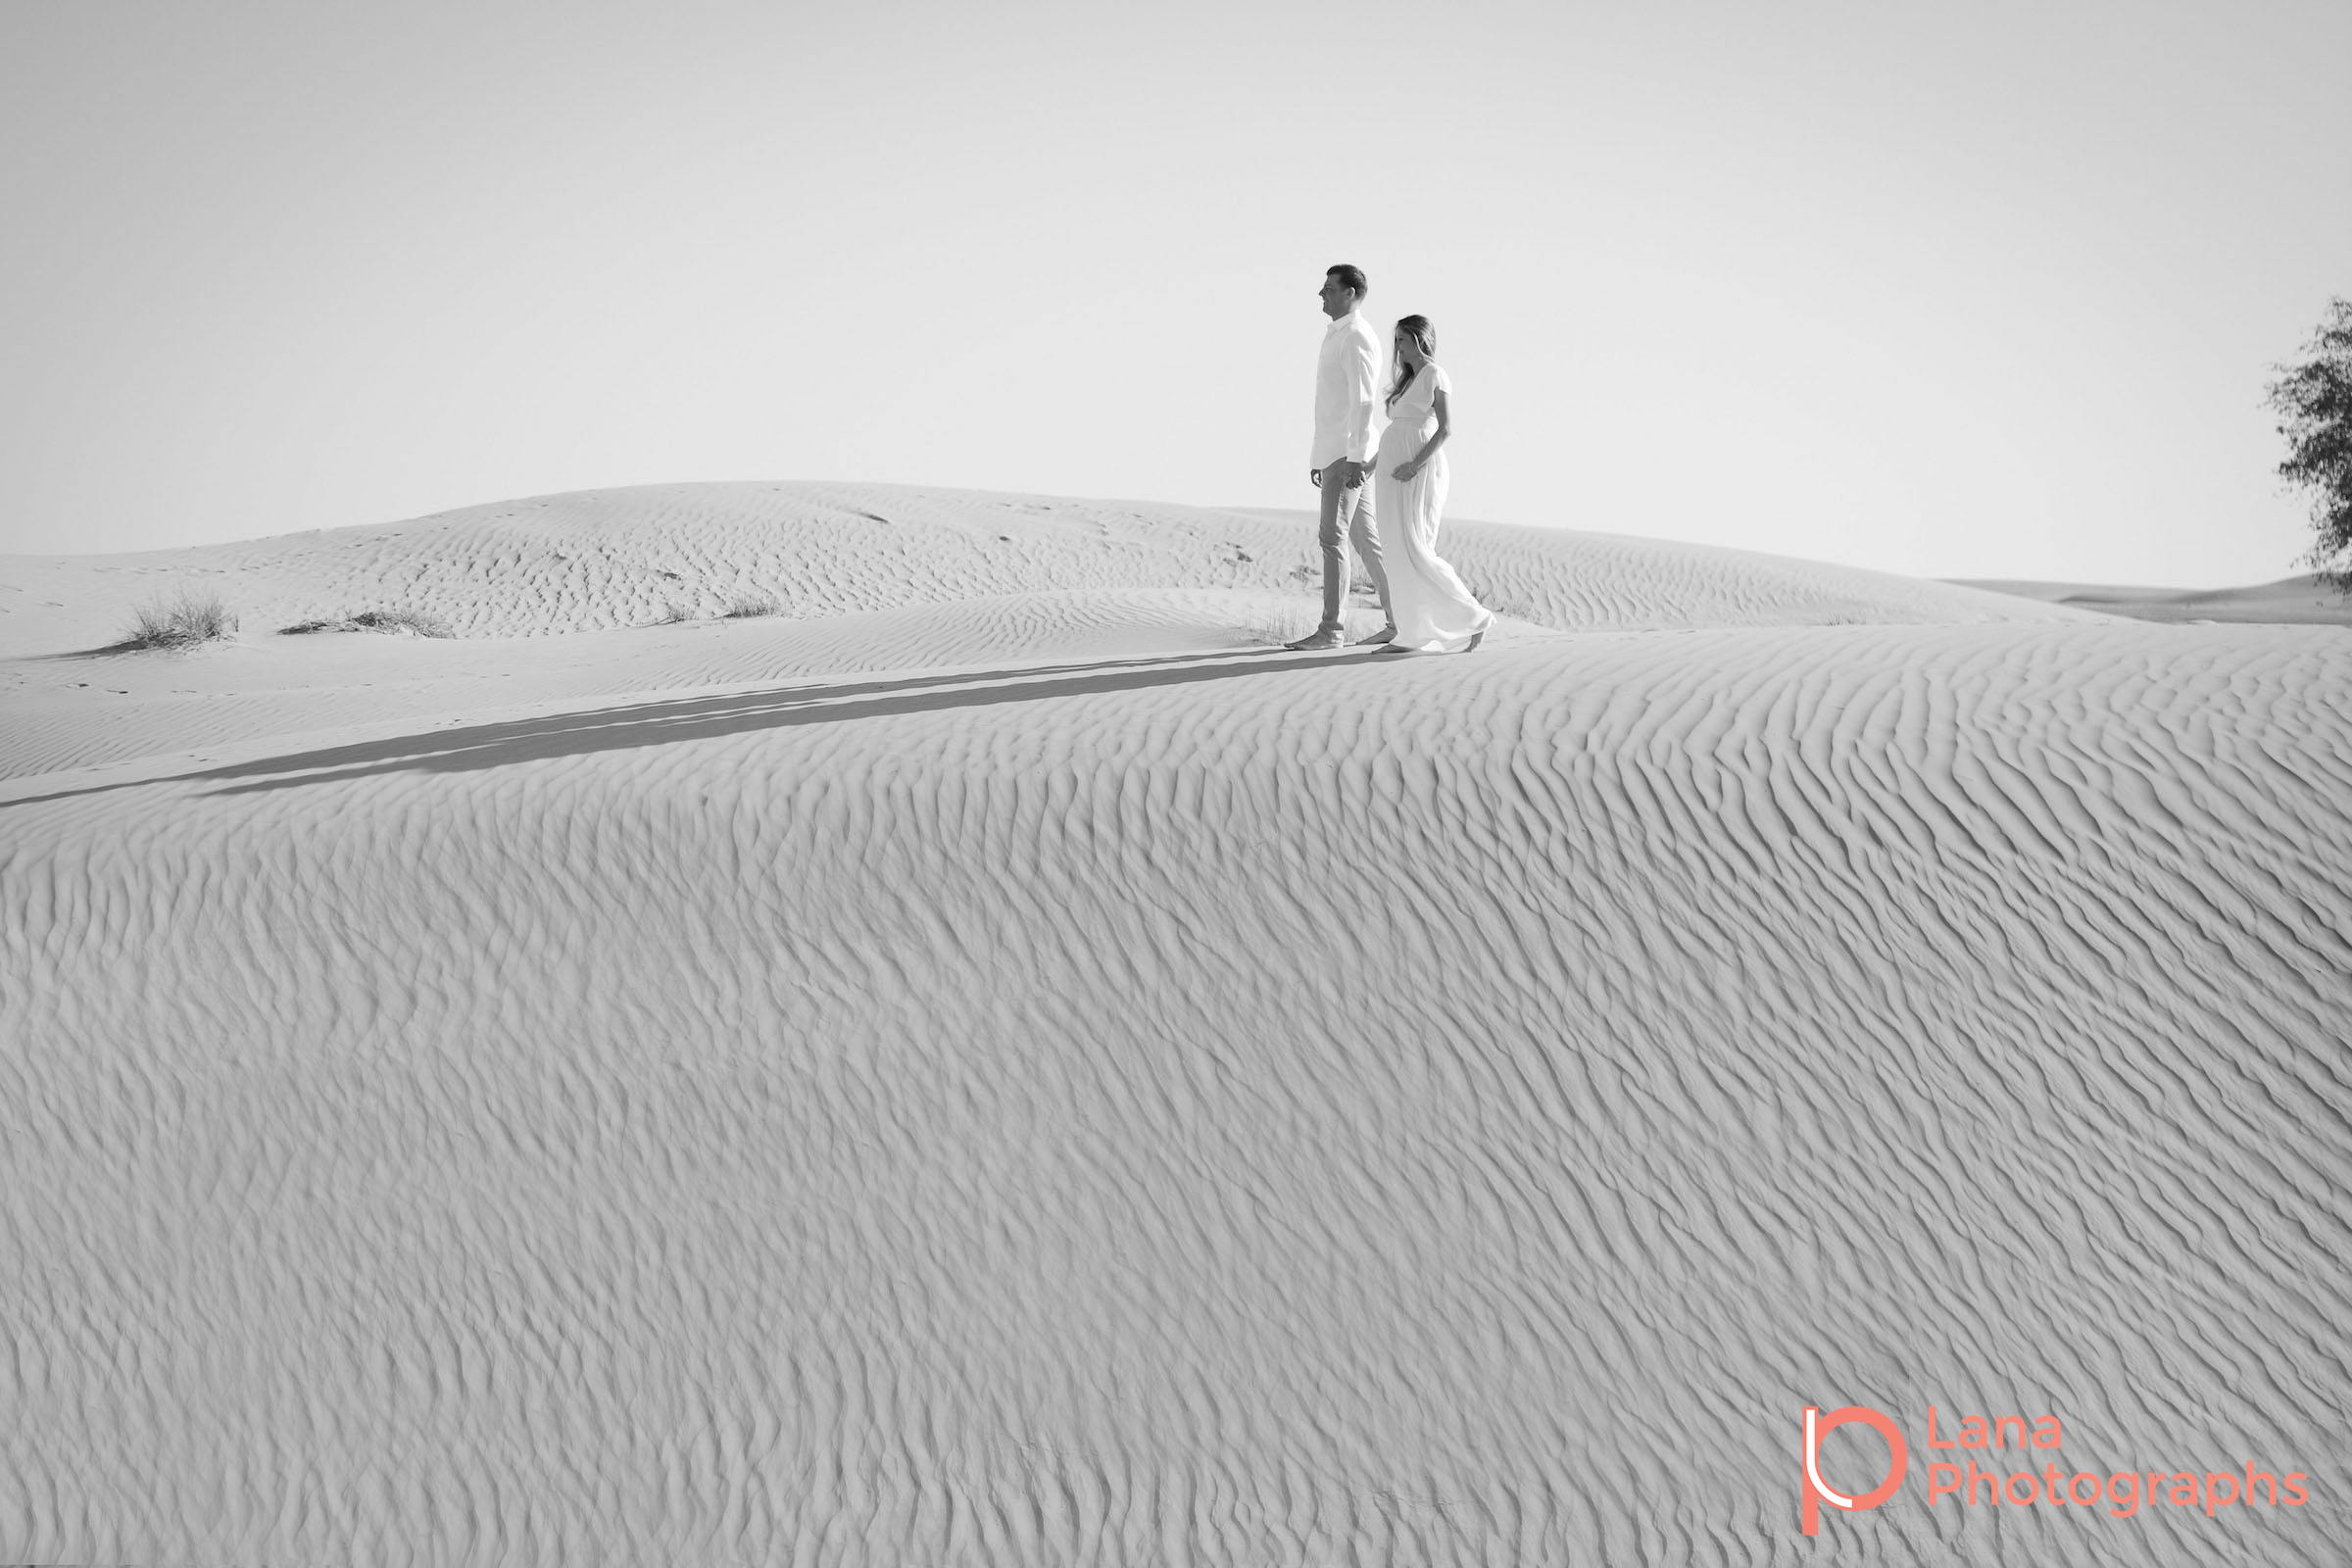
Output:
x=2115 y=1494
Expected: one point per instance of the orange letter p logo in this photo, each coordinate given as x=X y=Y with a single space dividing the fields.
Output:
x=1818 y=1425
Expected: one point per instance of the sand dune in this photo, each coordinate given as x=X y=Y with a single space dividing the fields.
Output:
x=2302 y=601
x=1031 y=1074
x=619 y=557
x=862 y=577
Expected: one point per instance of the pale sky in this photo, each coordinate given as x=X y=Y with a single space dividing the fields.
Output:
x=1980 y=289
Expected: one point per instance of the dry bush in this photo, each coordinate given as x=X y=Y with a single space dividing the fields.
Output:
x=1272 y=625
x=182 y=621
x=398 y=622
x=742 y=607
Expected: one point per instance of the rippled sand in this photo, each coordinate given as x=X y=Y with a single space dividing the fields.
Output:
x=1034 y=1075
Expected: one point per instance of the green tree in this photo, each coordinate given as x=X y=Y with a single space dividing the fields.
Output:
x=2313 y=400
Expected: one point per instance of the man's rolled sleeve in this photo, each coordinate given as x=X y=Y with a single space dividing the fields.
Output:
x=1363 y=390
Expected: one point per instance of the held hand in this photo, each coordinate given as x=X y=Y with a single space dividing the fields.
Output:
x=1353 y=474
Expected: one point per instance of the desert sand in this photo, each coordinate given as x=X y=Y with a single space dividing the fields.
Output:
x=998 y=1063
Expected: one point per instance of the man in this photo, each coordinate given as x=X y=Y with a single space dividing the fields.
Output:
x=1347 y=386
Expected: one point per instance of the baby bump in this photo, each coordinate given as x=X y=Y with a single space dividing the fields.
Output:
x=1403 y=437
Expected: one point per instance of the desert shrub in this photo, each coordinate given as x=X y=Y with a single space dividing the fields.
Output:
x=414 y=620
x=185 y=619
x=1275 y=621
x=400 y=622
x=1269 y=627
x=742 y=607
x=671 y=613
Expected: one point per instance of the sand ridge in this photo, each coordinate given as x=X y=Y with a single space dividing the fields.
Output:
x=593 y=561
x=561 y=598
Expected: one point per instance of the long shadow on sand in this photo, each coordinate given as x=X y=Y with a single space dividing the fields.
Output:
x=472 y=747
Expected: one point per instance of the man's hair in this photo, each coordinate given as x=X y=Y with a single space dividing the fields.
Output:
x=1349 y=278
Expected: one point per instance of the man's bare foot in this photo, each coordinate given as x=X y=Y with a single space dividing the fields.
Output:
x=1386 y=634
x=1318 y=640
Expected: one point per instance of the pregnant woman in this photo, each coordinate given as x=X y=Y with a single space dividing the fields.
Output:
x=1435 y=614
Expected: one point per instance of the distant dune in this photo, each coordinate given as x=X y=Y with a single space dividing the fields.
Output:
x=2289 y=602
x=1000 y=1063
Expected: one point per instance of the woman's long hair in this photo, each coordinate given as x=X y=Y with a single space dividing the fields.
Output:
x=1424 y=338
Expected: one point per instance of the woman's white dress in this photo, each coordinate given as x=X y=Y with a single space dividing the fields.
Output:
x=1435 y=614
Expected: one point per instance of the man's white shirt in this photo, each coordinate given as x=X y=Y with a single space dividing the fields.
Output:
x=1347 y=391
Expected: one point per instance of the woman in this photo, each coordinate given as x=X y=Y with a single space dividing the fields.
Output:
x=1434 y=612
